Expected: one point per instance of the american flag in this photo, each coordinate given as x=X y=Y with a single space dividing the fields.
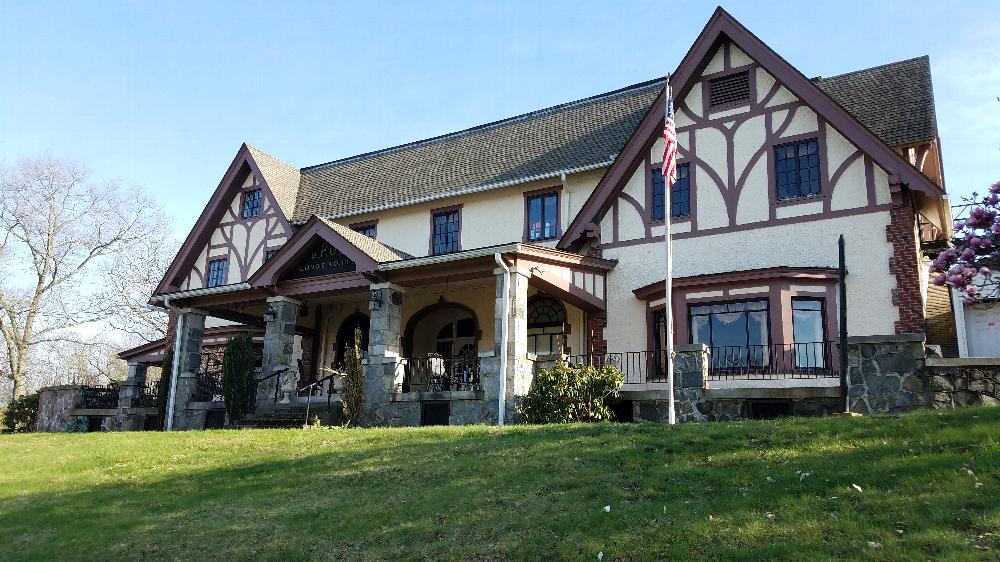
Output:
x=670 y=136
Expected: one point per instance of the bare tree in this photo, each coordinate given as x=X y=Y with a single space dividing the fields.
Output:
x=132 y=277
x=57 y=225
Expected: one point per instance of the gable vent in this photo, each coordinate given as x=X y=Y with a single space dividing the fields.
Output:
x=729 y=89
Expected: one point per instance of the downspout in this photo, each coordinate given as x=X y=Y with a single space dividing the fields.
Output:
x=174 y=365
x=505 y=307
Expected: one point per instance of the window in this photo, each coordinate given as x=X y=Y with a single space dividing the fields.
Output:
x=543 y=216
x=796 y=167
x=217 y=272
x=807 y=332
x=367 y=228
x=447 y=230
x=252 y=202
x=736 y=332
x=730 y=89
x=269 y=254
x=546 y=326
x=680 y=193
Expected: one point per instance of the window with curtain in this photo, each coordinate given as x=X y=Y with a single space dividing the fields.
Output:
x=543 y=217
x=736 y=332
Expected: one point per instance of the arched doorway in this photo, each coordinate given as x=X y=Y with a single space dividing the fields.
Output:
x=442 y=349
x=345 y=336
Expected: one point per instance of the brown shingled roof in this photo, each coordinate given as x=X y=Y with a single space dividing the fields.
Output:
x=895 y=101
x=378 y=251
x=588 y=132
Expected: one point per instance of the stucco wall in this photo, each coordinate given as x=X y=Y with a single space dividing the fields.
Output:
x=870 y=310
x=490 y=217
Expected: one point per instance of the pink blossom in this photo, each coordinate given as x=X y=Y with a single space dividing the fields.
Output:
x=940 y=280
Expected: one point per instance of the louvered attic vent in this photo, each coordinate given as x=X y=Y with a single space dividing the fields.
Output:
x=729 y=89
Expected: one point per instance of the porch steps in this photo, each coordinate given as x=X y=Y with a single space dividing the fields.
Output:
x=282 y=419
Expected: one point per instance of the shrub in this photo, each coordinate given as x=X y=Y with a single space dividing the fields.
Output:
x=354 y=383
x=572 y=393
x=237 y=376
x=21 y=414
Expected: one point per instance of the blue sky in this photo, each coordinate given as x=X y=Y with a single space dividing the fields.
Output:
x=161 y=94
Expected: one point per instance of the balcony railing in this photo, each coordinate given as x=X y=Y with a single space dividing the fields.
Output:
x=146 y=396
x=440 y=374
x=751 y=362
x=775 y=361
x=98 y=397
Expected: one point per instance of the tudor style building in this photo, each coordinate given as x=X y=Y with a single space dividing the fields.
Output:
x=469 y=260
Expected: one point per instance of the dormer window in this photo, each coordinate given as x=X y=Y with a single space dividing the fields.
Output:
x=730 y=90
x=253 y=200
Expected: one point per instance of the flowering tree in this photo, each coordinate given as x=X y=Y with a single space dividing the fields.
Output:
x=969 y=264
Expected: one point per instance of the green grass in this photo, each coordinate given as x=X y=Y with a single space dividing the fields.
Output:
x=700 y=491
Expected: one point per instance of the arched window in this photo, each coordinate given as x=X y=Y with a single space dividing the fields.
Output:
x=547 y=327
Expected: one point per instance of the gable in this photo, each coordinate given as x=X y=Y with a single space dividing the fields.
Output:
x=221 y=232
x=322 y=258
x=728 y=145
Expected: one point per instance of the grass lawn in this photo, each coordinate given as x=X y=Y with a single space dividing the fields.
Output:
x=912 y=487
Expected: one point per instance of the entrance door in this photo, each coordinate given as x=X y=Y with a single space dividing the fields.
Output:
x=982 y=327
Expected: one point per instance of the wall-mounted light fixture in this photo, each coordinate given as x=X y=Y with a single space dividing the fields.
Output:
x=375 y=301
x=537 y=270
x=270 y=315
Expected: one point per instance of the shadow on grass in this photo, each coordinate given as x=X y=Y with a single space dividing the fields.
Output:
x=747 y=490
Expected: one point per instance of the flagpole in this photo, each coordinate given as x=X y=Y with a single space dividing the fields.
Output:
x=668 y=315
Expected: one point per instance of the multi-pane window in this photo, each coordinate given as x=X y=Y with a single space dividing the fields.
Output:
x=543 y=216
x=253 y=200
x=546 y=326
x=680 y=193
x=447 y=227
x=796 y=166
x=217 y=272
x=736 y=332
x=366 y=229
x=807 y=332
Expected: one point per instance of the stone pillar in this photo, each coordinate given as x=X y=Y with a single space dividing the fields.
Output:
x=187 y=361
x=520 y=369
x=690 y=383
x=885 y=373
x=384 y=369
x=280 y=321
x=130 y=388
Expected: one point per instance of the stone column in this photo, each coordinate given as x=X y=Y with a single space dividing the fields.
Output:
x=280 y=321
x=519 y=368
x=384 y=369
x=130 y=388
x=187 y=361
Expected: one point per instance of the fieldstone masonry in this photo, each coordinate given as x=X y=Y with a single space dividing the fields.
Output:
x=191 y=329
x=384 y=368
x=280 y=343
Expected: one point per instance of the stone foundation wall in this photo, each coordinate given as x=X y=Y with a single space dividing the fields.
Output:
x=55 y=406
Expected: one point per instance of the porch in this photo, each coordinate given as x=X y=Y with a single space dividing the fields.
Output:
x=442 y=337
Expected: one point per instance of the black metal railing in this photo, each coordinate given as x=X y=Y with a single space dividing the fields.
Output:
x=774 y=361
x=257 y=382
x=439 y=374
x=747 y=362
x=207 y=386
x=100 y=397
x=146 y=396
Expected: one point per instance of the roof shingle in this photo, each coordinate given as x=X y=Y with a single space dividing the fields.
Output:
x=895 y=101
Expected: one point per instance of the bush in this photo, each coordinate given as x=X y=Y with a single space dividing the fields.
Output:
x=21 y=414
x=572 y=393
x=238 y=377
x=354 y=383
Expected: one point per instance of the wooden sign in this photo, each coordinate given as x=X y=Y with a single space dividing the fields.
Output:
x=324 y=259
